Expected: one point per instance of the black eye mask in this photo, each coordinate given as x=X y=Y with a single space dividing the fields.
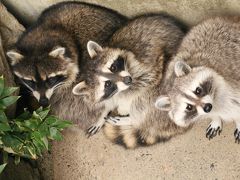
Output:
x=110 y=89
x=29 y=83
x=52 y=81
x=118 y=65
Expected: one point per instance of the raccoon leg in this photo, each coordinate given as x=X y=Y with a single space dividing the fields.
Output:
x=98 y=125
x=120 y=121
x=237 y=133
x=214 y=128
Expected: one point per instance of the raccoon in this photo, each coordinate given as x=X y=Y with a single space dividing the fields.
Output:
x=206 y=82
x=51 y=55
x=127 y=70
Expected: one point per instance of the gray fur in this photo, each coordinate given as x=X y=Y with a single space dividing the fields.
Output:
x=146 y=43
x=212 y=49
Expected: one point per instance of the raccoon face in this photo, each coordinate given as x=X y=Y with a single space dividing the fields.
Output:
x=111 y=72
x=191 y=96
x=43 y=74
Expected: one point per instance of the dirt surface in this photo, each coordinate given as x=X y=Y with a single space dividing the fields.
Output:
x=189 y=156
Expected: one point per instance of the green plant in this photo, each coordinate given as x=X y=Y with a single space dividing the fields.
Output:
x=28 y=134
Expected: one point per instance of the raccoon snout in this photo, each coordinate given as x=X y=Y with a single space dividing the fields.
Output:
x=43 y=102
x=127 y=80
x=207 y=107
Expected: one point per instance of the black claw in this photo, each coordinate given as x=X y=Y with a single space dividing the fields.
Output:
x=219 y=132
x=90 y=132
x=237 y=136
x=96 y=131
x=208 y=132
x=211 y=132
x=208 y=128
x=235 y=132
x=89 y=128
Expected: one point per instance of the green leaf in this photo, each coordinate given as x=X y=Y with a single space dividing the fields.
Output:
x=62 y=124
x=55 y=134
x=32 y=152
x=5 y=102
x=7 y=91
x=17 y=160
x=31 y=124
x=40 y=140
x=3 y=117
x=45 y=141
x=50 y=120
x=39 y=110
x=38 y=147
x=25 y=115
x=43 y=129
x=44 y=113
x=10 y=141
x=1 y=84
x=5 y=127
x=5 y=156
x=2 y=166
x=19 y=127
x=35 y=115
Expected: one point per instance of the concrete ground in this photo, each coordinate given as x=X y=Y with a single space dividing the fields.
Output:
x=189 y=156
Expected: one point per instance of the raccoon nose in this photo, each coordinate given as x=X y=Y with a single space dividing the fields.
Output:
x=127 y=80
x=43 y=102
x=207 y=107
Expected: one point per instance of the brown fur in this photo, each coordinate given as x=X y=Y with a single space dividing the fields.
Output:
x=71 y=25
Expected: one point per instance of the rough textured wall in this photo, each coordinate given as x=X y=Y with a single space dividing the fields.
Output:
x=189 y=10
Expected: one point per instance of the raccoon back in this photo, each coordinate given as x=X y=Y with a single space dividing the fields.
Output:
x=147 y=36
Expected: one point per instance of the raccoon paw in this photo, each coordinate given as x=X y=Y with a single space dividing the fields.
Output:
x=213 y=129
x=237 y=136
x=119 y=120
x=94 y=128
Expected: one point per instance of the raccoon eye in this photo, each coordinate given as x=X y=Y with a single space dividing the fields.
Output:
x=108 y=84
x=113 y=68
x=54 y=80
x=198 y=91
x=189 y=107
x=118 y=65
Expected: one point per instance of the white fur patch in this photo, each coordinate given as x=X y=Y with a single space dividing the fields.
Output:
x=49 y=93
x=121 y=86
x=36 y=95
x=57 y=73
x=58 y=52
x=124 y=74
x=14 y=57
x=163 y=103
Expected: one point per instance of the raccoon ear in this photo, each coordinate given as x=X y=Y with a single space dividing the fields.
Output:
x=181 y=68
x=58 y=52
x=80 y=89
x=14 y=57
x=163 y=103
x=93 y=48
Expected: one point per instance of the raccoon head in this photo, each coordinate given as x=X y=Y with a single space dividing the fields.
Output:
x=111 y=74
x=116 y=71
x=42 y=73
x=192 y=95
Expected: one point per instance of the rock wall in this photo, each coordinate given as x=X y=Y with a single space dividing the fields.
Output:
x=189 y=156
x=189 y=11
